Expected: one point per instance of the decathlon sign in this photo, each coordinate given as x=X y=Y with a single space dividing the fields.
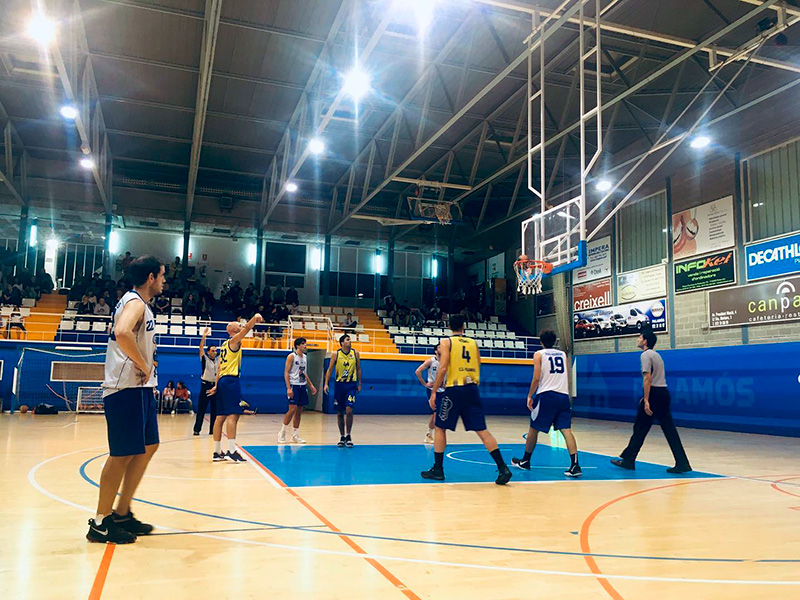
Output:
x=773 y=258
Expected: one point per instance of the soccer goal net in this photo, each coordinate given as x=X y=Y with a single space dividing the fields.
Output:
x=68 y=379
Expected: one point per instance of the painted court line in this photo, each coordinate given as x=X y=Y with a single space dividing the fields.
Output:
x=102 y=573
x=374 y=563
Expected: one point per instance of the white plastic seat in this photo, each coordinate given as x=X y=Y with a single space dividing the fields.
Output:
x=176 y=319
x=359 y=328
x=176 y=302
x=338 y=311
x=489 y=334
x=6 y=311
x=29 y=302
x=519 y=345
x=67 y=325
x=190 y=330
x=502 y=326
x=489 y=343
x=83 y=326
x=438 y=331
x=99 y=326
x=310 y=325
x=482 y=326
x=162 y=318
x=472 y=325
x=24 y=312
x=363 y=338
x=302 y=307
x=70 y=313
x=161 y=329
x=72 y=304
x=494 y=319
x=491 y=326
x=190 y=320
x=509 y=344
x=394 y=330
x=403 y=330
x=381 y=313
x=422 y=340
x=427 y=330
x=176 y=330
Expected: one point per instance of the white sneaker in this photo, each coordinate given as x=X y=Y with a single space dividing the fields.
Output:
x=428 y=438
x=296 y=439
x=282 y=437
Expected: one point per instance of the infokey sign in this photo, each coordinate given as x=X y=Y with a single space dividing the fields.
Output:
x=773 y=258
x=709 y=271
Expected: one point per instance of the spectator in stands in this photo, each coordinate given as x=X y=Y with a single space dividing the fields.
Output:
x=25 y=277
x=44 y=282
x=403 y=314
x=190 y=305
x=176 y=268
x=30 y=292
x=203 y=308
x=16 y=295
x=390 y=306
x=102 y=309
x=85 y=307
x=435 y=314
x=7 y=294
x=416 y=318
x=278 y=296
x=292 y=297
x=350 y=323
x=15 y=321
x=168 y=398
x=126 y=261
x=182 y=401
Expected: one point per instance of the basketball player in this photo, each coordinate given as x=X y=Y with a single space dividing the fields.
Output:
x=296 y=381
x=460 y=363
x=229 y=400
x=432 y=365
x=208 y=378
x=655 y=403
x=348 y=384
x=551 y=405
x=130 y=405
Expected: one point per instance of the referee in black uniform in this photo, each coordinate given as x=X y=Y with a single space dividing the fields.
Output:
x=208 y=364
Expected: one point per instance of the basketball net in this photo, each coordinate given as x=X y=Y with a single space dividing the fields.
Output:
x=530 y=274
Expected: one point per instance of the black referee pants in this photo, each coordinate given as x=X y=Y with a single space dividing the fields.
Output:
x=202 y=405
x=660 y=405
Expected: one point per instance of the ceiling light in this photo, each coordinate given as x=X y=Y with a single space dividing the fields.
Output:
x=291 y=187
x=700 y=142
x=316 y=146
x=423 y=12
x=52 y=244
x=356 y=83
x=603 y=185
x=41 y=29
x=69 y=112
x=87 y=163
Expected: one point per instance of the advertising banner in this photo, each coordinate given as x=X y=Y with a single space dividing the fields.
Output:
x=755 y=304
x=587 y=296
x=626 y=319
x=710 y=271
x=598 y=261
x=773 y=258
x=703 y=229
x=642 y=284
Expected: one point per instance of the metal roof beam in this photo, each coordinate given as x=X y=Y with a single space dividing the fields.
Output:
x=207 y=52
x=7 y=174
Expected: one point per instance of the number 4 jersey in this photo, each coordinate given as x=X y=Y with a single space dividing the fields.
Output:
x=464 y=367
x=555 y=375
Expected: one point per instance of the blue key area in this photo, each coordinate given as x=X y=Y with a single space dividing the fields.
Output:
x=300 y=466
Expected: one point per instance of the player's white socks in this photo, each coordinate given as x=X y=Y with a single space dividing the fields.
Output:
x=99 y=518
x=231 y=445
x=218 y=447
x=283 y=427
x=296 y=431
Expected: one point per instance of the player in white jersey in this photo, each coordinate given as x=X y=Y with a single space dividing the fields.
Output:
x=551 y=406
x=296 y=377
x=130 y=406
x=432 y=365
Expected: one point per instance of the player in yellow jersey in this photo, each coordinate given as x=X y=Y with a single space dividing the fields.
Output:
x=460 y=364
x=348 y=384
x=229 y=389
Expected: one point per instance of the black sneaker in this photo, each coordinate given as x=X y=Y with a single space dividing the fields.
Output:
x=131 y=524
x=195 y=433
x=348 y=442
x=219 y=457
x=624 y=464
x=342 y=442
x=235 y=457
x=433 y=473
x=681 y=469
x=574 y=471
x=504 y=476
x=522 y=464
x=108 y=532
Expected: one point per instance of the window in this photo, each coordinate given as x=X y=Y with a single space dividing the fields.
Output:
x=286 y=258
x=642 y=233
x=772 y=191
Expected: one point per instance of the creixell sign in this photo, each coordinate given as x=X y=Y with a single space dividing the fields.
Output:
x=755 y=304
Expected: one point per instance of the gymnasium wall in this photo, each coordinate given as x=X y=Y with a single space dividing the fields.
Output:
x=753 y=388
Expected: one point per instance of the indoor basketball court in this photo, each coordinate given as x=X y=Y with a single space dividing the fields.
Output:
x=599 y=200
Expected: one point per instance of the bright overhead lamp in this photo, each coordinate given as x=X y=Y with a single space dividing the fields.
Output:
x=69 y=112
x=603 y=185
x=700 y=142
x=41 y=29
x=356 y=83
x=291 y=187
x=52 y=243
x=316 y=146
x=87 y=163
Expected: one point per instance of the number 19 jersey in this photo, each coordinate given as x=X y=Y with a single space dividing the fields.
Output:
x=464 y=367
x=555 y=375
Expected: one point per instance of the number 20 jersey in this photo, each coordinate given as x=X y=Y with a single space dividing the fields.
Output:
x=555 y=375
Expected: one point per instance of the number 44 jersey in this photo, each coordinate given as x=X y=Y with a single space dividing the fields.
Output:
x=555 y=375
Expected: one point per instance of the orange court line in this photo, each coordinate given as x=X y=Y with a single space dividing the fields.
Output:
x=102 y=573
x=347 y=540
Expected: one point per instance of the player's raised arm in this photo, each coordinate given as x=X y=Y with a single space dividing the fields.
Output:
x=125 y=328
x=537 y=376
x=206 y=331
x=236 y=340
x=444 y=362
x=423 y=367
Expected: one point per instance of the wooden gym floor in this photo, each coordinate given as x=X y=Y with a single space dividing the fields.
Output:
x=358 y=523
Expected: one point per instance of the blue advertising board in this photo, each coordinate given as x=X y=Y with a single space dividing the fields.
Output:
x=773 y=258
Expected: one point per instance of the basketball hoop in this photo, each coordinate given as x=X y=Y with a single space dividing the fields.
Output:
x=530 y=274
